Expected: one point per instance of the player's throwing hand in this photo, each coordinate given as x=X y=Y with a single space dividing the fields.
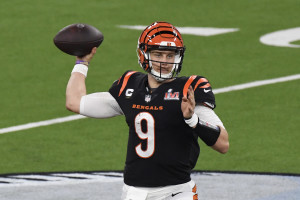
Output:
x=87 y=58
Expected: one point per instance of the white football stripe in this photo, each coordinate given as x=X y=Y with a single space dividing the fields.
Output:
x=282 y=38
x=41 y=123
x=256 y=84
x=216 y=91
x=199 y=31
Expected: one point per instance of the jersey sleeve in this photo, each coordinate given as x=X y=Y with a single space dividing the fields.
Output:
x=99 y=105
x=203 y=92
x=208 y=115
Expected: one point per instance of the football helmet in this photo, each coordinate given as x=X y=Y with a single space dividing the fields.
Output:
x=160 y=36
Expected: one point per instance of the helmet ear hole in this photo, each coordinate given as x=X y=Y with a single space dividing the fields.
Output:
x=142 y=46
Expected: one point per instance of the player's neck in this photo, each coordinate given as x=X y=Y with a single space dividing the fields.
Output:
x=153 y=83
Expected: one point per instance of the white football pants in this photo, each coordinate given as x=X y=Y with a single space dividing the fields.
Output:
x=186 y=191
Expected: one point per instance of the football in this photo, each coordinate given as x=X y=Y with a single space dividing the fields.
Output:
x=78 y=39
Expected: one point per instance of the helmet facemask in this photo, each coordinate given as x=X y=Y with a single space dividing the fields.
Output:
x=157 y=74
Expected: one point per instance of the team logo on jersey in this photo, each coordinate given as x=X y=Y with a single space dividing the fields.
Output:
x=170 y=95
x=147 y=98
x=129 y=92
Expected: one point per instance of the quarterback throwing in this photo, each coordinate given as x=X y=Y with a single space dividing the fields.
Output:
x=166 y=115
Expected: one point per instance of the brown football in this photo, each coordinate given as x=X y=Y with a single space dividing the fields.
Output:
x=78 y=39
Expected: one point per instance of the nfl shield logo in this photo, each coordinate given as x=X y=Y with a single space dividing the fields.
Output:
x=147 y=98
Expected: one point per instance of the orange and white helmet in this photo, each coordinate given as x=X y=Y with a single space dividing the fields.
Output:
x=160 y=36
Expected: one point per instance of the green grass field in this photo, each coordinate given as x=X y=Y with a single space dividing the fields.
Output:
x=263 y=122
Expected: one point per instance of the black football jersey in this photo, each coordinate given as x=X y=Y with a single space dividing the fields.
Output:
x=162 y=149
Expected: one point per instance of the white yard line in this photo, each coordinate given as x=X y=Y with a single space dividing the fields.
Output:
x=41 y=123
x=256 y=84
x=216 y=91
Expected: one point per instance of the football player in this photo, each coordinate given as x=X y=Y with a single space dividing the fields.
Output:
x=166 y=115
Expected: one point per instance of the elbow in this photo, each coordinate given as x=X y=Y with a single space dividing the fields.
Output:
x=221 y=147
x=69 y=106
x=223 y=142
x=72 y=106
x=224 y=149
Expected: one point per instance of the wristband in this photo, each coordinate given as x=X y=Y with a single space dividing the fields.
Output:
x=82 y=62
x=192 y=121
x=81 y=68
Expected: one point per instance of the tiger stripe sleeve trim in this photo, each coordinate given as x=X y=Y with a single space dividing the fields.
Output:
x=125 y=81
x=187 y=84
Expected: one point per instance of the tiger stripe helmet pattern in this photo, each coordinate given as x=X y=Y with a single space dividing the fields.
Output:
x=160 y=36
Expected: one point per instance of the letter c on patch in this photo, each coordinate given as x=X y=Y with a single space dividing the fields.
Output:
x=129 y=92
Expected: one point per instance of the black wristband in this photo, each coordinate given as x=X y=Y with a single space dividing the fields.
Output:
x=207 y=132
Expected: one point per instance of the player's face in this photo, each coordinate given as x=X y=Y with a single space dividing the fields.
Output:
x=163 y=59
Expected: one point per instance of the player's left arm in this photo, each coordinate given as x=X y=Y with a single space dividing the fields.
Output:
x=209 y=120
x=222 y=143
x=205 y=123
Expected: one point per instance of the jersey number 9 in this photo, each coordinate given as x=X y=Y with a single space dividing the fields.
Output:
x=148 y=135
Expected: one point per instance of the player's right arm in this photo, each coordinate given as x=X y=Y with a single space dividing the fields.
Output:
x=76 y=86
x=75 y=91
x=97 y=105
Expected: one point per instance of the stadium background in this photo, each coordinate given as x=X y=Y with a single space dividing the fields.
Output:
x=263 y=122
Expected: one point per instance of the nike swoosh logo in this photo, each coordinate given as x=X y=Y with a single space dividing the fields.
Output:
x=176 y=194
x=206 y=91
